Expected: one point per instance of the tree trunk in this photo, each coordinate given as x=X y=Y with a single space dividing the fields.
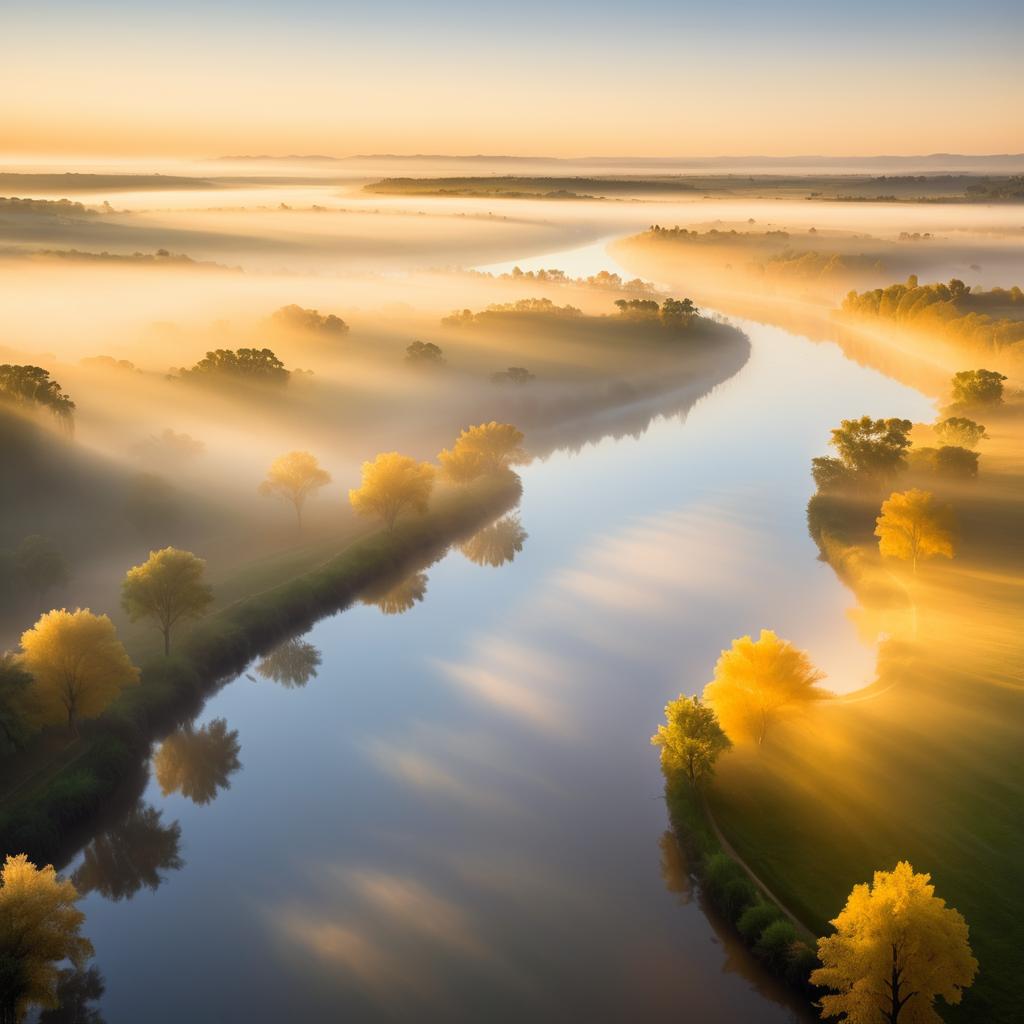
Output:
x=167 y=640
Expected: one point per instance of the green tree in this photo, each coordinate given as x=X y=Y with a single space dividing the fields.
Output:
x=15 y=695
x=897 y=947
x=39 y=929
x=960 y=431
x=246 y=366
x=977 y=387
x=308 y=321
x=691 y=740
x=78 y=665
x=294 y=477
x=424 y=354
x=873 y=449
x=32 y=386
x=392 y=485
x=167 y=588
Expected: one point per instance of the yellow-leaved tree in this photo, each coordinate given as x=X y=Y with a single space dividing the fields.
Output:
x=914 y=526
x=39 y=929
x=754 y=679
x=482 y=450
x=393 y=484
x=77 y=664
x=294 y=477
x=167 y=588
x=691 y=739
x=896 y=948
x=398 y=598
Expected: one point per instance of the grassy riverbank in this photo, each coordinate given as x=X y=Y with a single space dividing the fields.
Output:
x=73 y=780
x=924 y=764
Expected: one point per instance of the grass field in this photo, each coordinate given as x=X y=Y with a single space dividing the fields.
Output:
x=926 y=763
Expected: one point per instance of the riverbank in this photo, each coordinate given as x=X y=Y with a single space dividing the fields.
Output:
x=45 y=815
x=768 y=929
x=924 y=763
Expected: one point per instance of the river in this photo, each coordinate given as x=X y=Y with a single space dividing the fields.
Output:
x=459 y=817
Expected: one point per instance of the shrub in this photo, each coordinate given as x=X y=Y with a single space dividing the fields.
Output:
x=754 y=920
x=802 y=960
x=775 y=944
x=736 y=897
x=719 y=870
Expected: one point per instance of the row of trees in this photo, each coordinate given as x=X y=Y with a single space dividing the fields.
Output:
x=394 y=484
x=950 y=310
x=32 y=387
x=871 y=453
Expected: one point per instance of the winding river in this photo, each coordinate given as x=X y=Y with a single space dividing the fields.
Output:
x=459 y=818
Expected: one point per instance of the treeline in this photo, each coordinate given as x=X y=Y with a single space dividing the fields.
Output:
x=993 y=319
x=713 y=237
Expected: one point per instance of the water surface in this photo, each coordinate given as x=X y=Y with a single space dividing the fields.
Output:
x=460 y=816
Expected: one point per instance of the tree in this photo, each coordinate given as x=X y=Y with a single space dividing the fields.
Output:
x=755 y=679
x=896 y=948
x=678 y=312
x=167 y=587
x=39 y=929
x=872 y=448
x=960 y=431
x=913 y=526
x=496 y=544
x=77 y=663
x=39 y=566
x=421 y=353
x=198 y=762
x=15 y=691
x=132 y=855
x=294 y=477
x=692 y=739
x=291 y=664
x=393 y=484
x=33 y=386
x=246 y=365
x=295 y=318
x=977 y=387
x=513 y=375
x=481 y=450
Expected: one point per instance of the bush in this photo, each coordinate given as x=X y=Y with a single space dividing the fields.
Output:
x=754 y=920
x=736 y=897
x=719 y=870
x=802 y=960
x=775 y=944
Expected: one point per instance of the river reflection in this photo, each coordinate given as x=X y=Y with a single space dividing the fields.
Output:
x=198 y=762
x=397 y=598
x=496 y=544
x=135 y=853
x=465 y=823
x=291 y=664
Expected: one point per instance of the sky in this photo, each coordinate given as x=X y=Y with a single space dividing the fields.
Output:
x=571 y=79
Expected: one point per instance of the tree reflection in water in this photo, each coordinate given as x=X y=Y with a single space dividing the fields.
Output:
x=399 y=598
x=198 y=762
x=133 y=854
x=674 y=871
x=292 y=664
x=77 y=993
x=496 y=544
